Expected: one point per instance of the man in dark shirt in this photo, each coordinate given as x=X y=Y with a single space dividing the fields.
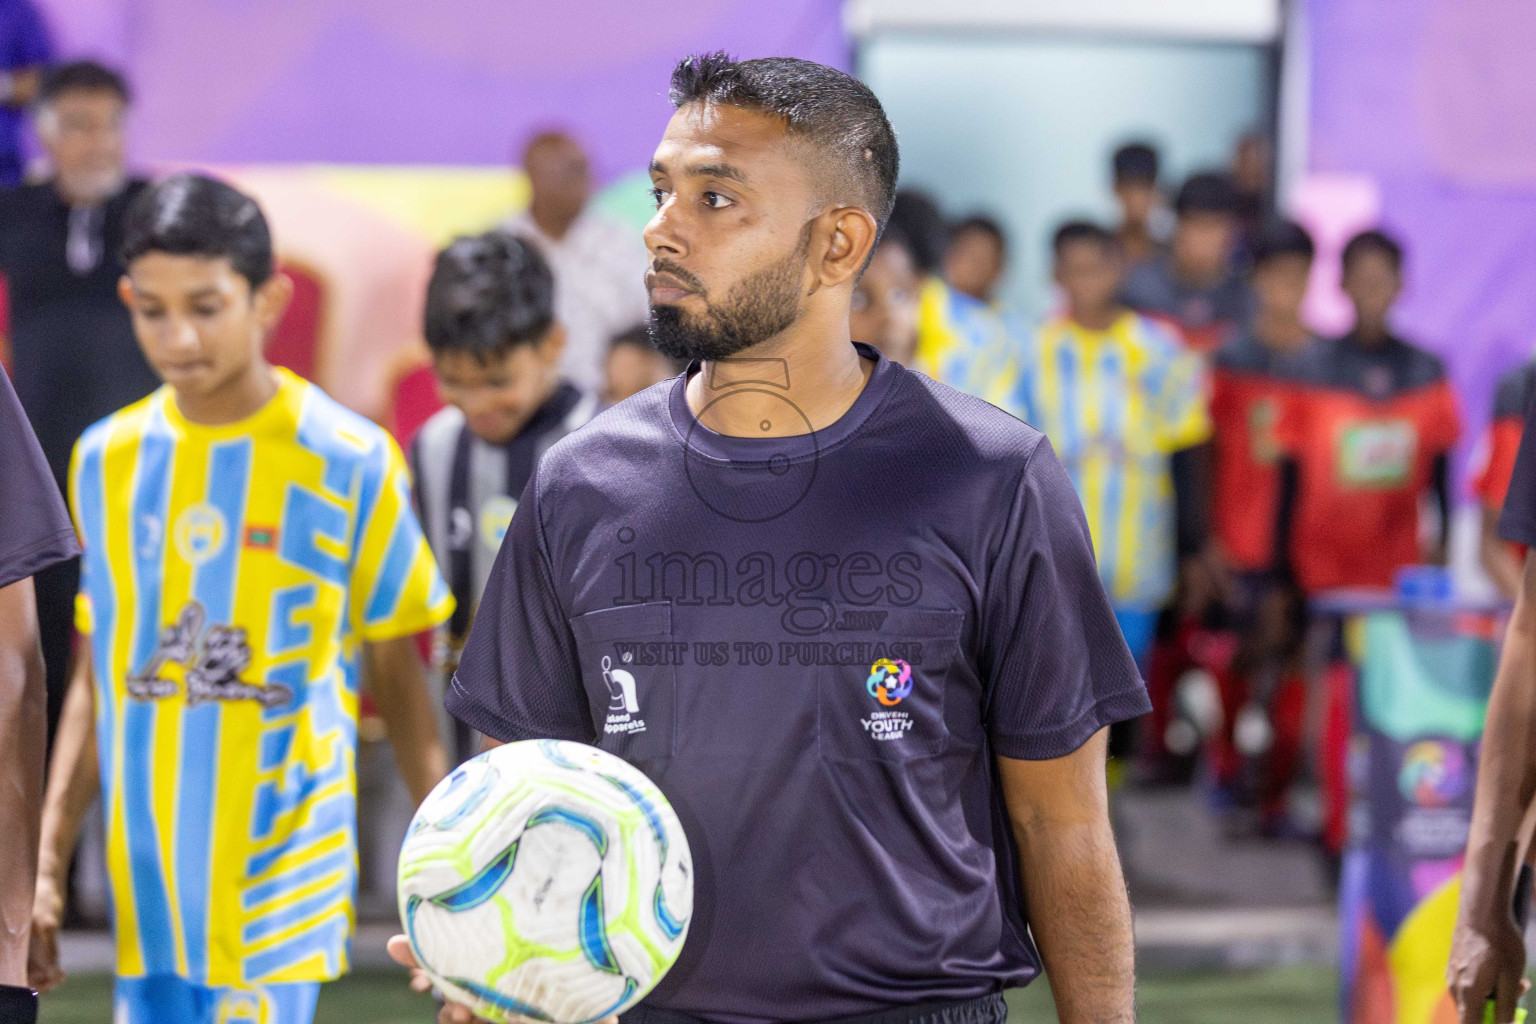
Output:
x=874 y=664
x=72 y=346
x=1193 y=285
x=34 y=533
x=1488 y=948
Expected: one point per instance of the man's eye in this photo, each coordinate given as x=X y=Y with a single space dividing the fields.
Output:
x=151 y=314
x=658 y=196
x=716 y=201
x=206 y=310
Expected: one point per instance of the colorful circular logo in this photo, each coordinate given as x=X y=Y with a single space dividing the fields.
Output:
x=889 y=681
x=1434 y=773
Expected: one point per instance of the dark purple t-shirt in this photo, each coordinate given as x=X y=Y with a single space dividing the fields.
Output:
x=815 y=645
x=35 y=531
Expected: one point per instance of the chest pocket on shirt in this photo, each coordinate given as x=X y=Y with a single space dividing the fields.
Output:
x=628 y=667
x=891 y=709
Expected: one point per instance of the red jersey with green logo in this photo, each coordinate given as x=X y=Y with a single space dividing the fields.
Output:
x=1252 y=388
x=1365 y=437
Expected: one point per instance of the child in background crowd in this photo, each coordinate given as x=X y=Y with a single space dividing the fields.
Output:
x=496 y=349
x=1371 y=438
x=249 y=552
x=1504 y=562
x=885 y=301
x=977 y=258
x=634 y=364
x=1193 y=285
x=1135 y=183
x=1120 y=400
x=960 y=341
x=1254 y=382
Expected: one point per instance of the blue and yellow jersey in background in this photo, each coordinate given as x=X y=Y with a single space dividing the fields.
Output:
x=230 y=575
x=961 y=341
x=1115 y=404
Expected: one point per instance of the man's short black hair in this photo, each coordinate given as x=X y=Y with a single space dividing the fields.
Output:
x=833 y=111
x=984 y=224
x=1207 y=192
x=194 y=215
x=1282 y=237
x=1374 y=241
x=1136 y=163
x=1082 y=231
x=488 y=294
x=916 y=216
x=81 y=76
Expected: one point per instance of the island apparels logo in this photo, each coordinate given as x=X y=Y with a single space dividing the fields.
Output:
x=623 y=700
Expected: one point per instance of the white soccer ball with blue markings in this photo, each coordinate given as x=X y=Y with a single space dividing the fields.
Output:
x=546 y=879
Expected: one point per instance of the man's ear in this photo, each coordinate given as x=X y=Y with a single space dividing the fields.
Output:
x=271 y=300
x=125 y=291
x=852 y=233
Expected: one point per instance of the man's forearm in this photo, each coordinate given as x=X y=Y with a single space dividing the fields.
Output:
x=1506 y=779
x=400 y=692
x=23 y=736
x=1081 y=919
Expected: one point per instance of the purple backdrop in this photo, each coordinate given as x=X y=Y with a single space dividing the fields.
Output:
x=1436 y=101
x=407 y=82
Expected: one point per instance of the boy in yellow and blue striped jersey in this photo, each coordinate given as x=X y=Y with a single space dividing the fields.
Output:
x=250 y=551
x=1120 y=399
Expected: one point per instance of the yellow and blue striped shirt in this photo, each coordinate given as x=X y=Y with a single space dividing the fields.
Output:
x=1115 y=404
x=230 y=575
x=960 y=340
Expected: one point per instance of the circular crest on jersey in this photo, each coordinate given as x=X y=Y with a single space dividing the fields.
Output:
x=201 y=532
x=756 y=491
x=889 y=682
x=495 y=516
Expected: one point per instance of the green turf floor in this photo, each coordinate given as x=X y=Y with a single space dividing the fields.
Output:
x=1258 y=997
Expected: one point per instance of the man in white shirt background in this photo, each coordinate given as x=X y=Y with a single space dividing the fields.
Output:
x=598 y=264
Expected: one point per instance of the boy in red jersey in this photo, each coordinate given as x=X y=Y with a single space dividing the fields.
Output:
x=1254 y=381
x=1373 y=436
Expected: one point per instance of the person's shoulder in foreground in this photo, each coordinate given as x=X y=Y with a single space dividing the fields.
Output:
x=34 y=529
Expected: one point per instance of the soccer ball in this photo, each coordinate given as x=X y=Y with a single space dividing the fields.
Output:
x=546 y=879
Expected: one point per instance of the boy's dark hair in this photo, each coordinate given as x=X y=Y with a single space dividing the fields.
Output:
x=984 y=224
x=488 y=294
x=1082 y=231
x=639 y=336
x=1282 y=237
x=916 y=216
x=194 y=215
x=1208 y=192
x=1136 y=162
x=81 y=76
x=836 y=113
x=1374 y=241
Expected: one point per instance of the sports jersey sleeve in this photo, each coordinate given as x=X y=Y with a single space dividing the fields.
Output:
x=395 y=589
x=34 y=529
x=1501 y=443
x=1057 y=667
x=1443 y=428
x=519 y=676
x=1183 y=400
x=1517 y=523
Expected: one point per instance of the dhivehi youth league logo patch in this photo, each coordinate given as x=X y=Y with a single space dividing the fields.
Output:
x=889 y=682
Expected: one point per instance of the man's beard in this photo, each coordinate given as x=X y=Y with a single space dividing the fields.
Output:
x=760 y=305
